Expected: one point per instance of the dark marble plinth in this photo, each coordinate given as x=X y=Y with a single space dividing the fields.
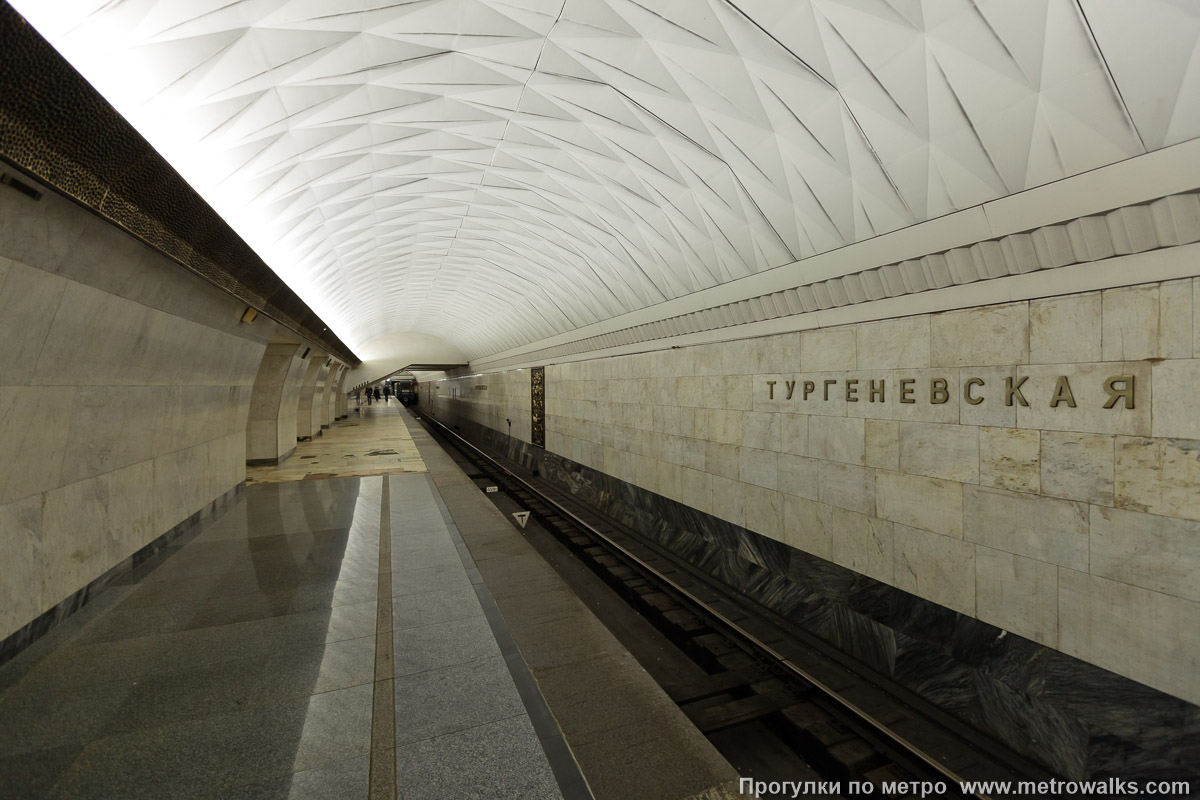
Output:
x=13 y=644
x=269 y=462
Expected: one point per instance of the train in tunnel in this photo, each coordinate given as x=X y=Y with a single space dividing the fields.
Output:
x=405 y=390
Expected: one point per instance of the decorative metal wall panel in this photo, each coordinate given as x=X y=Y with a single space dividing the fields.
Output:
x=1165 y=222
x=537 y=405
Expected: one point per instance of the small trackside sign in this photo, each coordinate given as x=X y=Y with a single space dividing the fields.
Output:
x=492 y=489
x=521 y=517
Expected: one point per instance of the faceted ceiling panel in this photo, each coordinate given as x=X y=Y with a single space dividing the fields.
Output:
x=494 y=172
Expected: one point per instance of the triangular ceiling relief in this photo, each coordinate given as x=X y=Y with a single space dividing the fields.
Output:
x=498 y=171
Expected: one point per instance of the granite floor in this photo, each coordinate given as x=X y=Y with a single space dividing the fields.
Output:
x=323 y=638
x=373 y=440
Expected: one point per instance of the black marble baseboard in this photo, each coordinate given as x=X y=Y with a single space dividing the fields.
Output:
x=1077 y=719
x=269 y=462
x=16 y=642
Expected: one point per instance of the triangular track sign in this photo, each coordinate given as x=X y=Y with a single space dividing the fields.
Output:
x=522 y=517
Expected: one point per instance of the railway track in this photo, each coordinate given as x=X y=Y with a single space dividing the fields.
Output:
x=811 y=720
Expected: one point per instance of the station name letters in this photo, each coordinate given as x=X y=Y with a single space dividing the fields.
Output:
x=1120 y=391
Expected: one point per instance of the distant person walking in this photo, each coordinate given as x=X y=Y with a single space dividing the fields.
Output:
x=378 y=397
x=387 y=394
x=368 y=391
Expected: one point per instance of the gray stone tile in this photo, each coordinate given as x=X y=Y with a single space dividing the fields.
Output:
x=306 y=597
x=74 y=667
x=243 y=580
x=155 y=701
x=27 y=661
x=319 y=544
x=34 y=719
x=428 y=579
x=348 y=780
x=413 y=610
x=499 y=760
x=278 y=788
x=416 y=546
x=189 y=649
x=194 y=589
x=311 y=670
x=352 y=621
x=442 y=701
x=276 y=577
x=232 y=660
x=497 y=547
x=200 y=758
x=337 y=728
x=307 y=628
x=286 y=514
x=256 y=520
x=416 y=559
x=414 y=518
x=443 y=645
x=251 y=753
x=229 y=609
x=631 y=761
x=40 y=720
x=427 y=525
x=30 y=775
x=127 y=623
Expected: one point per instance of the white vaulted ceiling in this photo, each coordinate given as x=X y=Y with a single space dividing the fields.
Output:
x=494 y=172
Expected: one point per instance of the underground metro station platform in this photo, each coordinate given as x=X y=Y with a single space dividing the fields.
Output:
x=599 y=399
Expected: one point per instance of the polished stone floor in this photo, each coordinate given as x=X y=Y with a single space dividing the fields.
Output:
x=323 y=638
x=373 y=440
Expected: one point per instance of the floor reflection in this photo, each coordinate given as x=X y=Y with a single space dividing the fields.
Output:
x=373 y=441
x=238 y=664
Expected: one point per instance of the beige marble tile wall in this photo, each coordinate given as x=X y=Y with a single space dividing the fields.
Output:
x=332 y=384
x=123 y=399
x=287 y=423
x=316 y=410
x=326 y=396
x=1048 y=515
x=309 y=394
x=341 y=401
x=271 y=429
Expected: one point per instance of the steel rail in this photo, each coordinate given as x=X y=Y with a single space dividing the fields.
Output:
x=880 y=727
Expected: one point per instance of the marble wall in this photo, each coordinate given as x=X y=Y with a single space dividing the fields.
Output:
x=124 y=398
x=964 y=459
x=341 y=401
x=308 y=411
x=316 y=420
x=271 y=429
x=333 y=384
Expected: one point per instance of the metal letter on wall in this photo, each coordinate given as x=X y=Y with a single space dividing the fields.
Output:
x=537 y=409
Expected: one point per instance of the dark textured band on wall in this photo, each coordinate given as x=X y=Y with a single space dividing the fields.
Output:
x=58 y=129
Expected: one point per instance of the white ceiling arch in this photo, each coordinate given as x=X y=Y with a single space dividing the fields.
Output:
x=496 y=172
